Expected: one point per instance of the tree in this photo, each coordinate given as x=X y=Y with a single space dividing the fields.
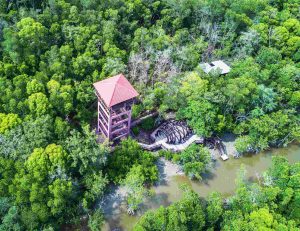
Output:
x=266 y=100
x=268 y=56
x=260 y=219
x=214 y=209
x=8 y=122
x=193 y=87
x=201 y=115
x=61 y=128
x=11 y=220
x=95 y=184
x=239 y=93
x=86 y=159
x=186 y=214
x=153 y=220
x=280 y=171
x=249 y=43
x=96 y=220
x=139 y=65
x=195 y=160
x=15 y=143
x=243 y=144
x=135 y=190
x=44 y=184
x=38 y=104
x=61 y=97
x=127 y=154
x=269 y=130
x=32 y=35
x=7 y=172
x=34 y=86
x=85 y=153
x=295 y=98
x=280 y=36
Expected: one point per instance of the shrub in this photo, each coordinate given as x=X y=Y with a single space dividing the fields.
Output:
x=195 y=160
x=243 y=144
x=135 y=130
x=135 y=190
x=148 y=124
x=186 y=214
x=166 y=154
x=136 y=110
x=127 y=154
x=96 y=220
x=176 y=158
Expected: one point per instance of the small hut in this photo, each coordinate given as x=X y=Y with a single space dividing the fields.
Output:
x=217 y=66
x=115 y=99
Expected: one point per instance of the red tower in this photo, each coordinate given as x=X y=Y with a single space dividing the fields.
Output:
x=115 y=99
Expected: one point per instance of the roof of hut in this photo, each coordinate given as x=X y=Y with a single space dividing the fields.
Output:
x=215 y=66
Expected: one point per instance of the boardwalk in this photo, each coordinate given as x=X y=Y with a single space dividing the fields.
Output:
x=172 y=147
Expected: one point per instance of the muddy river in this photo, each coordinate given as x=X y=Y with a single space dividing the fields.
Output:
x=221 y=178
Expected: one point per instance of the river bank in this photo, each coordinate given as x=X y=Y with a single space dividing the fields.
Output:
x=113 y=201
x=221 y=178
x=114 y=205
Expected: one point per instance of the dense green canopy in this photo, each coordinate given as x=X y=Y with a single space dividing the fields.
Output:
x=52 y=170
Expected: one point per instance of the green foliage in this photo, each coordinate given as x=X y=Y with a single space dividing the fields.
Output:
x=128 y=154
x=38 y=104
x=135 y=190
x=136 y=110
x=200 y=113
x=61 y=128
x=187 y=214
x=214 y=209
x=195 y=160
x=61 y=97
x=268 y=56
x=39 y=132
x=32 y=35
x=276 y=129
x=47 y=198
x=272 y=204
x=239 y=92
x=52 y=51
x=165 y=153
x=8 y=122
x=34 y=86
x=176 y=158
x=135 y=130
x=201 y=116
x=7 y=172
x=96 y=220
x=10 y=217
x=193 y=87
x=148 y=124
x=243 y=144
x=95 y=184
x=84 y=151
x=55 y=179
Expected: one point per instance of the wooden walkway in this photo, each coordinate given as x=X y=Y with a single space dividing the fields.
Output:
x=162 y=142
x=172 y=147
x=180 y=147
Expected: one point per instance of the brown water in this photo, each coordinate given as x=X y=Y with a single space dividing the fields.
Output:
x=221 y=179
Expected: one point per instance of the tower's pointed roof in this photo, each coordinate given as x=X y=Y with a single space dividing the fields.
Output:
x=115 y=90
